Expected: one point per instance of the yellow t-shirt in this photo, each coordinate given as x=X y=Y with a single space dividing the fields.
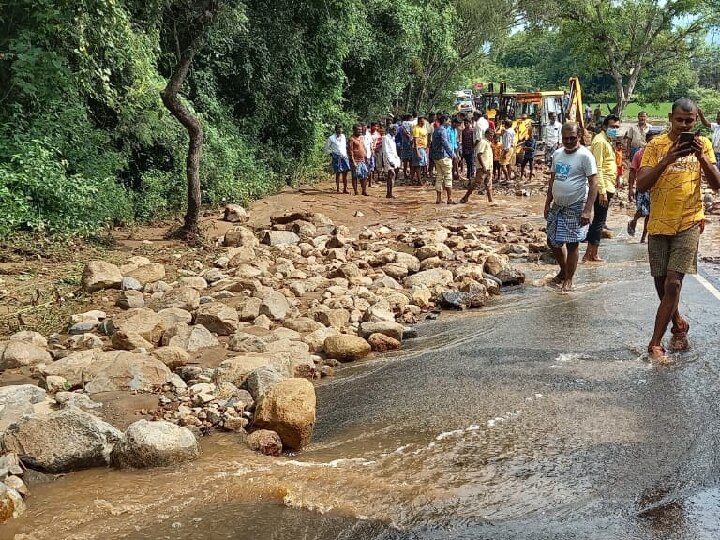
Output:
x=491 y=114
x=420 y=136
x=522 y=129
x=604 y=155
x=676 y=198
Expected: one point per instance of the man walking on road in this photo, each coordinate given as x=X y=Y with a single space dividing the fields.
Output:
x=672 y=171
x=336 y=147
x=484 y=164
x=635 y=140
x=443 y=153
x=570 y=197
x=602 y=149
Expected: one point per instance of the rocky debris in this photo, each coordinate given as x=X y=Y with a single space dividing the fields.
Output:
x=185 y=298
x=33 y=338
x=217 y=318
x=266 y=442
x=431 y=279
x=129 y=341
x=18 y=400
x=128 y=371
x=11 y=503
x=235 y=214
x=288 y=408
x=243 y=342
x=131 y=284
x=61 y=441
x=189 y=338
x=260 y=380
x=100 y=275
x=16 y=353
x=130 y=299
x=303 y=325
x=390 y=329
x=154 y=444
x=278 y=238
x=138 y=321
x=382 y=343
x=148 y=273
x=316 y=340
x=334 y=318
x=346 y=348
x=240 y=237
x=275 y=306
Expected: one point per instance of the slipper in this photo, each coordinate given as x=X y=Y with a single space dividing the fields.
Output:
x=631 y=228
x=679 y=340
x=658 y=354
x=451 y=202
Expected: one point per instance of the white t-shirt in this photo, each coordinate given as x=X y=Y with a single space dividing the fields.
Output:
x=715 y=136
x=571 y=175
x=389 y=153
x=481 y=126
x=336 y=145
x=508 y=139
x=552 y=134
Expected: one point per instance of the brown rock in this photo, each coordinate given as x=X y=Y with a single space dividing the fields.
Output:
x=266 y=442
x=383 y=343
x=288 y=408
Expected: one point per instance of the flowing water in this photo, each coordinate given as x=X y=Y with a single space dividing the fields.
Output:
x=538 y=417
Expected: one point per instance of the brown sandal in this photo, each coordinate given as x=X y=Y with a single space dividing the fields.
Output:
x=679 y=340
x=658 y=354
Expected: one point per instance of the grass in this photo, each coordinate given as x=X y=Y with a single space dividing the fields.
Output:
x=661 y=110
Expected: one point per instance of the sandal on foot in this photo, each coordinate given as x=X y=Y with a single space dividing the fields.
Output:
x=658 y=355
x=631 y=229
x=679 y=340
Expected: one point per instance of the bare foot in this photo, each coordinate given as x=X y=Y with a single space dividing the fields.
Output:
x=567 y=286
x=557 y=280
x=451 y=202
x=346 y=192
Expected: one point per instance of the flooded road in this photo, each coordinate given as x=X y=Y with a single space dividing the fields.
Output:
x=536 y=418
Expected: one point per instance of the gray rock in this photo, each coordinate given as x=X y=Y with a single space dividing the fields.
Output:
x=243 y=342
x=99 y=275
x=235 y=214
x=148 y=273
x=260 y=380
x=61 y=441
x=452 y=300
x=82 y=327
x=130 y=299
x=16 y=401
x=190 y=338
x=154 y=444
x=275 y=306
x=240 y=237
x=218 y=318
x=391 y=329
x=185 y=298
x=28 y=336
x=277 y=238
x=131 y=284
x=15 y=354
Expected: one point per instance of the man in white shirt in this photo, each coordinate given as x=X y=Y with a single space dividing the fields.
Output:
x=481 y=126
x=336 y=148
x=569 y=204
x=715 y=128
x=390 y=159
x=552 y=137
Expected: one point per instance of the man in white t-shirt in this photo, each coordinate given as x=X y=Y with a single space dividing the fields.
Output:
x=552 y=137
x=715 y=128
x=570 y=198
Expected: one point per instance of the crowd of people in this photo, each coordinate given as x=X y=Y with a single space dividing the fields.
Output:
x=438 y=147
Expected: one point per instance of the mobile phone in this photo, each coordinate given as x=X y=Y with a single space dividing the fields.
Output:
x=686 y=140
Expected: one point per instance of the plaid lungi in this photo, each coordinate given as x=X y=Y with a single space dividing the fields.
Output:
x=340 y=163
x=564 y=225
x=642 y=203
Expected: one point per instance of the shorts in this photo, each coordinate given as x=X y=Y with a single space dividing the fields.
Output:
x=496 y=165
x=420 y=157
x=527 y=159
x=674 y=253
x=443 y=168
x=508 y=157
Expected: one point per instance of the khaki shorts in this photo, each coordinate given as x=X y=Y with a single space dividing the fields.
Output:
x=443 y=168
x=507 y=157
x=674 y=253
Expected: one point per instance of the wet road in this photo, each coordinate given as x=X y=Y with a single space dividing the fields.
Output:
x=536 y=418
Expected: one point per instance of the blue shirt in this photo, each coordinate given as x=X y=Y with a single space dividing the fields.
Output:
x=452 y=137
x=440 y=146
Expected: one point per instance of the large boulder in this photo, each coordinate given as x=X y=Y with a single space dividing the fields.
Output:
x=240 y=237
x=218 y=318
x=185 y=298
x=15 y=354
x=148 y=273
x=275 y=306
x=16 y=401
x=433 y=278
x=334 y=318
x=141 y=321
x=409 y=261
x=235 y=214
x=128 y=371
x=237 y=369
x=189 y=338
x=99 y=275
x=11 y=503
x=277 y=238
x=259 y=381
x=154 y=444
x=288 y=408
x=172 y=357
x=61 y=441
x=346 y=348
x=390 y=329
x=28 y=336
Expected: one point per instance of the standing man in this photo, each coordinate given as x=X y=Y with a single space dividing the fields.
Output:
x=336 y=148
x=634 y=141
x=370 y=158
x=602 y=149
x=406 y=149
x=376 y=141
x=419 y=144
x=569 y=203
x=715 y=128
x=552 y=137
x=358 y=159
x=467 y=146
x=389 y=159
x=481 y=126
x=642 y=198
x=484 y=165
x=442 y=153
x=507 y=158
x=672 y=171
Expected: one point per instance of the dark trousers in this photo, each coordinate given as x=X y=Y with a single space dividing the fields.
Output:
x=470 y=160
x=600 y=213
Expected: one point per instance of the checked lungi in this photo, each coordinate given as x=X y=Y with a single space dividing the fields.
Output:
x=564 y=225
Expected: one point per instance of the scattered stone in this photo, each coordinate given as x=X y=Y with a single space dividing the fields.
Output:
x=154 y=444
x=129 y=341
x=148 y=273
x=131 y=284
x=185 y=298
x=452 y=300
x=34 y=338
x=138 y=321
x=277 y=238
x=382 y=343
x=100 y=275
x=495 y=262
x=266 y=442
x=288 y=408
x=217 y=318
x=11 y=503
x=130 y=299
x=172 y=357
x=275 y=306
x=61 y=441
x=15 y=354
x=235 y=214
x=316 y=340
x=303 y=325
x=127 y=371
x=190 y=338
x=436 y=277
x=391 y=329
x=83 y=327
x=334 y=318
x=240 y=237
x=346 y=348
x=194 y=282
x=244 y=342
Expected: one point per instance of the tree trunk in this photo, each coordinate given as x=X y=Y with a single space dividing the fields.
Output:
x=192 y=125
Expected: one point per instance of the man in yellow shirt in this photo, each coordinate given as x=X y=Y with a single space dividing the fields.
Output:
x=419 y=146
x=672 y=171
x=604 y=153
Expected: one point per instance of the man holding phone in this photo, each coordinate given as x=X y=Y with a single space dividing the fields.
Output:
x=672 y=168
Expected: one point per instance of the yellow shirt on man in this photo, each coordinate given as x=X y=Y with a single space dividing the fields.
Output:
x=676 y=198
x=604 y=155
x=420 y=135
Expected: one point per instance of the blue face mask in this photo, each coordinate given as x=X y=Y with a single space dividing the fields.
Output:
x=613 y=132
